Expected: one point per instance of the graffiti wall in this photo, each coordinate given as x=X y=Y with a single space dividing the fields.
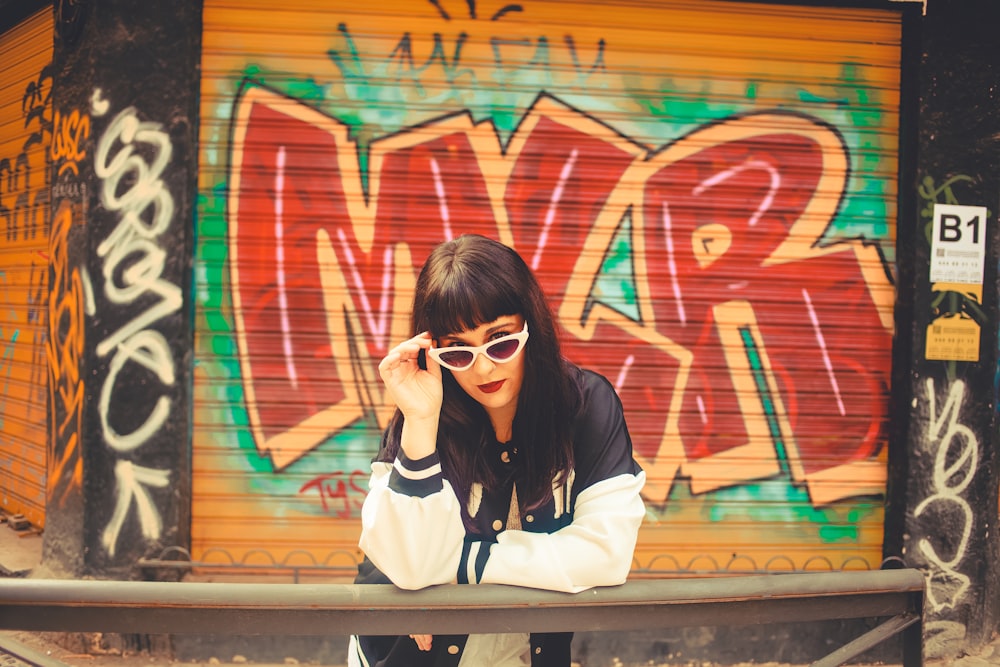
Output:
x=26 y=129
x=707 y=195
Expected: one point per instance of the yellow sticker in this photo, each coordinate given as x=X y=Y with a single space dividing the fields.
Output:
x=953 y=338
x=972 y=292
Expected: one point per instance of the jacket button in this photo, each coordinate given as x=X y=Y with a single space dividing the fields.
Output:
x=505 y=457
x=538 y=650
x=453 y=649
x=498 y=524
x=529 y=518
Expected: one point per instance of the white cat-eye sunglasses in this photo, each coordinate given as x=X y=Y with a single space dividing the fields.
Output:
x=501 y=350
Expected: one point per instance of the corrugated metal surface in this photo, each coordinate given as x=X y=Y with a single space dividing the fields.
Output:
x=707 y=192
x=25 y=138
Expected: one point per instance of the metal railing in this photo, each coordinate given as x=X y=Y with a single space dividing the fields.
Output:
x=341 y=566
x=50 y=605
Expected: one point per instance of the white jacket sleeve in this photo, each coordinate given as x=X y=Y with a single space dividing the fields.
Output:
x=411 y=524
x=594 y=550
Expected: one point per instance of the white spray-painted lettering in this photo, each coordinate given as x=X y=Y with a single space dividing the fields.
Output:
x=133 y=267
x=132 y=481
x=955 y=461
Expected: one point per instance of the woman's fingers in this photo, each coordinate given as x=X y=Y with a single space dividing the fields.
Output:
x=423 y=641
x=416 y=391
x=406 y=355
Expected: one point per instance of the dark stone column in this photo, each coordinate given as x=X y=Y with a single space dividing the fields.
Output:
x=126 y=97
x=943 y=480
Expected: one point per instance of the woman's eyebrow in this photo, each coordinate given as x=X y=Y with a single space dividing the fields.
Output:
x=500 y=327
x=460 y=338
x=505 y=325
x=452 y=338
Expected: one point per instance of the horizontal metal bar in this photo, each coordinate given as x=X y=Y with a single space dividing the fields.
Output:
x=323 y=609
x=343 y=565
x=870 y=639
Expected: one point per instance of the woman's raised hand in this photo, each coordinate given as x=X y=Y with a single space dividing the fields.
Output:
x=415 y=391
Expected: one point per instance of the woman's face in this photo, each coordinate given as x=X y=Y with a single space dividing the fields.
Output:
x=495 y=386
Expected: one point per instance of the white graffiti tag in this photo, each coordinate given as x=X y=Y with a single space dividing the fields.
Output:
x=955 y=463
x=130 y=160
x=132 y=482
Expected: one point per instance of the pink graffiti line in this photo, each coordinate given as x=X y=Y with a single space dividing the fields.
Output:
x=378 y=327
x=672 y=264
x=821 y=342
x=442 y=200
x=279 y=258
x=550 y=214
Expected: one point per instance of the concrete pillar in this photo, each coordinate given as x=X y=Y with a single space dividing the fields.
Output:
x=942 y=499
x=125 y=110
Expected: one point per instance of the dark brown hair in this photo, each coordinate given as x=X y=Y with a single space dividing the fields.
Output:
x=467 y=282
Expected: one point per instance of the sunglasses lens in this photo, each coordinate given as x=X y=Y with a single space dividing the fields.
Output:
x=457 y=358
x=503 y=349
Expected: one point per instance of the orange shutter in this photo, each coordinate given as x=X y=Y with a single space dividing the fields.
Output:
x=706 y=190
x=25 y=139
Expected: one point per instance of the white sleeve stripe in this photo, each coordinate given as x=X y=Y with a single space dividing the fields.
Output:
x=354 y=647
x=417 y=474
x=470 y=564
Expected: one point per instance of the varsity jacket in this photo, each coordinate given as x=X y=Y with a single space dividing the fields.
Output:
x=413 y=535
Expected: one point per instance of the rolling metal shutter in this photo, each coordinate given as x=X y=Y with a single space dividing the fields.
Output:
x=706 y=191
x=25 y=139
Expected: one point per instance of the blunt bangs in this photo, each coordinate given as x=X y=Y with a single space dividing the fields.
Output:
x=467 y=299
x=470 y=281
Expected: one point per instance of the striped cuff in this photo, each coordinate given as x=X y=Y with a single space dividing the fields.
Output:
x=416 y=478
x=474 y=556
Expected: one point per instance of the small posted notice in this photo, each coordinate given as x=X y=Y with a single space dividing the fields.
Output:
x=955 y=336
x=958 y=244
x=953 y=339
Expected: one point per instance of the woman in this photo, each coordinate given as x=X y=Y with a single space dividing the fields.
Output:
x=503 y=463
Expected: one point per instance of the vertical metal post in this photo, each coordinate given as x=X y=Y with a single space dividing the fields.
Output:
x=913 y=636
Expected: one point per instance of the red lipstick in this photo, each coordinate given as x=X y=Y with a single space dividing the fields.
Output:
x=491 y=387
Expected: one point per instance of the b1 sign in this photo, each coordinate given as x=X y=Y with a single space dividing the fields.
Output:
x=958 y=244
